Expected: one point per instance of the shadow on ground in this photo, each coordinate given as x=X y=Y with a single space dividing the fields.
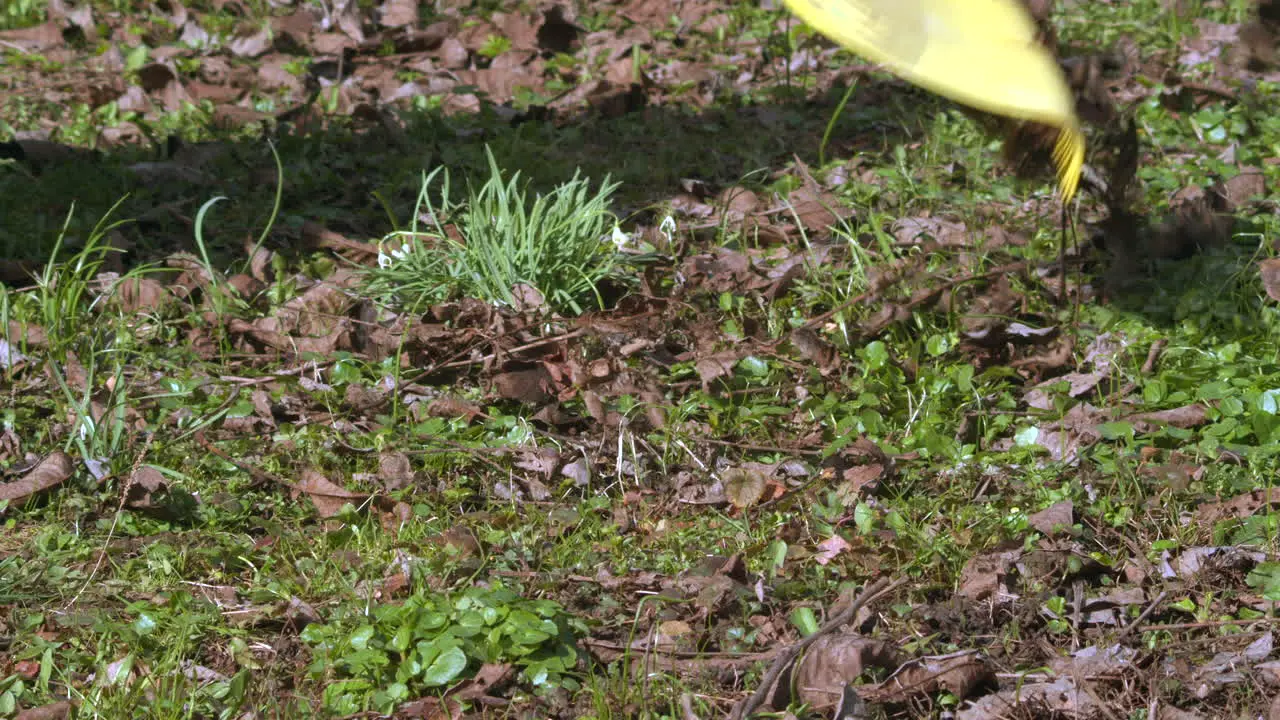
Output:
x=364 y=182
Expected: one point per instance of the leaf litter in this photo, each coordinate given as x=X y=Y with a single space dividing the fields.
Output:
x=471 y=364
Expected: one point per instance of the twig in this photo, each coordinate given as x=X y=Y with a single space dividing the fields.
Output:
x=1084 y=687
x=259 y=475
x=1153 y=356
x=869 y=593
x=725 y=655
x=686 y=707
x=1142 y=617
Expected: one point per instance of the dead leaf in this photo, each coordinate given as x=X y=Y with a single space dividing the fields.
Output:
x=1269 y=270
x=296 y=613
x=53 y=711
x=162 y=80
x=834 y=661
x=452 y=406
x=1236 y=192
x=737 y=202
x=460 y=541
x=1055 y=519
x=395 y=471
x=1194 y=562
x=394 y=585
x=943 y=232
x=363 y=399
x=33 y=39
x=490 y=678
x=1078 y=384
x=1230 y=667
x=1187 y=416
x=958 y=673
x=141 y=293
x=828 y=549
x=989 y=576
x=1240 y=506
x=252 y=45
x=814 y=349
x=816 y=210
x=430 y=708
x=718 y=365
x=1094 y=661
x=670 y=635
x=1059 y=698
x=528 y=387
x=744 y=486
x=50 y=473
x=143 y=485
x=327 y=497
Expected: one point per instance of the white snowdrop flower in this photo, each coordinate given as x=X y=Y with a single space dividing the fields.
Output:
x=386 y=258
x=668 y=228
x=619 y=238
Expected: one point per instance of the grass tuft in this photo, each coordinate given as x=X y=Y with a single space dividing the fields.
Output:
x=498 y=246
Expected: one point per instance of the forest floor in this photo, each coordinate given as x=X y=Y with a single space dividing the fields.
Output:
x=589 y=361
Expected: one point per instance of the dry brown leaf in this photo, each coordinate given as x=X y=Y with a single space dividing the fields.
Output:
x=1059 y=698
x=452 y=406
x=744 y=486
x=161 y=80
x=327 y=497
x=141 y=293
x=490 y=678
x=1055 y=519
x=830 y=548
x=989 y=576
x=1039 y=397
x=145 y=482
x=816 y=210
x=363 y=399
x=33 y=39
x=887 y=314
x=53 y=711
x=430 y=708
x=716 y=366
x=959 y=674
x=1187 y=416
x=670 y=635
x=251 y=45
x=394 y=585
x=1240 y=506
x=1194 y=562
x=814 y=349
x=1238 y=191
x=395 y=470
x=50 y=473
x=833 y=661
x=941 y=231
x=1269 y=270
x=288 y=344
x=460 y=541
x=529 y=387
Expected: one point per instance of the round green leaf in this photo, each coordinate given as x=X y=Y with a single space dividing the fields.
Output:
x=360 y=638
x=447 y=666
